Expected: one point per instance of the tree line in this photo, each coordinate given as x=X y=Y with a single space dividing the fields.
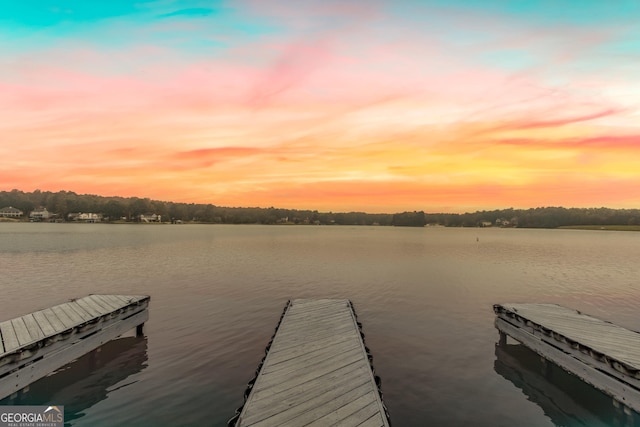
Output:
x=113 y=209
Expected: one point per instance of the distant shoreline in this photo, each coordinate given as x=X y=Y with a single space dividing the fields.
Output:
x=564 y=227
x=602 y=227
x=44 y=206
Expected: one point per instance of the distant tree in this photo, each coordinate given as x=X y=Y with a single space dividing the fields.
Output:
x=114 y=210
x=410 y=219
x=139 y=207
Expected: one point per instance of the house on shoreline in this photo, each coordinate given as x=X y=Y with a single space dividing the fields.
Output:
x=11 y=212
x=85 y=216
x=40 y=214
x=150 y=217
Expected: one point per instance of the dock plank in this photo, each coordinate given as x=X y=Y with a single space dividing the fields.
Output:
x=129 y=299
x=53 y=320
x=32 y=325
x=22 y=332
x=9 y=336
x=314 y=409
x=299 y=368
x=316 y=371
x=353 y=413
x=98 y=304
x=47 y=328
x=374 y=421
x=63 y=316
x=89 y=307
x=73 y=305
x=71 y=314
x=106 y=302
x=310 y=395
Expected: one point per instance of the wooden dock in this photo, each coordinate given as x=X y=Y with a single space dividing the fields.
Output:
x=603 y=354
x=316 y=372
x=34 y=345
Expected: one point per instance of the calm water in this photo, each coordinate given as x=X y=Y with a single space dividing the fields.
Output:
x=424 y=297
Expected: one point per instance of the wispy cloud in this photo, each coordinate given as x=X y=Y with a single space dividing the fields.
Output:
x=189 y=12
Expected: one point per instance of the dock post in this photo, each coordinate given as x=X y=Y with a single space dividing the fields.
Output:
x=546 y=367
x=140 y=330
x=628 y=415
x=623 y=414
x=503 y=339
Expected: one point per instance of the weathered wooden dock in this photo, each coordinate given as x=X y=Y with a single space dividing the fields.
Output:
x=603 y=354
x=317 y=371
x=34 y=345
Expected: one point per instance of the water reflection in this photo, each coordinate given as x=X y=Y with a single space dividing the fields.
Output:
x=88 y=380
x=564 y=398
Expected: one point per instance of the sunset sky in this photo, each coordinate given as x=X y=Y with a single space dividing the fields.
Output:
x=367 y=105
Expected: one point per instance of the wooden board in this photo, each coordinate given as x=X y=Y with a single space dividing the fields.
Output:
x=22 y=333
x=34 y=328
x=45 y=325
x=102 y=302
x=89 y=307
x=51 y=317
x=9 y=336
x=316 y=372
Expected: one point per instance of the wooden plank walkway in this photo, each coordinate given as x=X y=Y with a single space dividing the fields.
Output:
x=316 y=372
x=36 y=344
x=601 y=353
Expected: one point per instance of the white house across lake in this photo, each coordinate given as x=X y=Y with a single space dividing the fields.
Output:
x=11 y=212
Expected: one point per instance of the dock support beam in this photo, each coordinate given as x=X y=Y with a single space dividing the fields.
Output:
x=140 y=330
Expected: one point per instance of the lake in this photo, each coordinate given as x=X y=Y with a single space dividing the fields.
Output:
x=423 y=295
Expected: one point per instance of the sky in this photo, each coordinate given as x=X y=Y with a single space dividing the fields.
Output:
x=379 y=106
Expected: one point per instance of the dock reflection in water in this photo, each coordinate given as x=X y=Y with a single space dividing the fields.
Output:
x=563 y=397
x=88 y=380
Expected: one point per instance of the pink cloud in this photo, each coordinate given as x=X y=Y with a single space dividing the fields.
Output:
x=534 y=124
x=291 y=68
